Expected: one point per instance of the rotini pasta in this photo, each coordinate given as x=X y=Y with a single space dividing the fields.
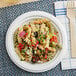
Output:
x=37 y=41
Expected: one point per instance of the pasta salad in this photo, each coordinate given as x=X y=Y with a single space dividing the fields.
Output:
x=37 y=41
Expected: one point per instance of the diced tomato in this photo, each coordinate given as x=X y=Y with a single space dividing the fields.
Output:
x=36 y=44
x=20 y=46
x=25 y=34
x=45 y=56
x=37 y=58
x=46 y=48
x=31 y=40
x=54 y=38
x=34 y=60
x=29 y=25
x=54 y=33
x=51 y=40
x=28 y=45
x=33 y=45
x=33 y=56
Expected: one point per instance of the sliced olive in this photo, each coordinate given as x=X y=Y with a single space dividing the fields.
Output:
x=33 y=52
x=36 y=34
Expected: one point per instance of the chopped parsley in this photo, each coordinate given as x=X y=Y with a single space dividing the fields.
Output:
x=23 y=51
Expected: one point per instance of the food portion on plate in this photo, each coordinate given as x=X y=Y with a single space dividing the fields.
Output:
x=37 y=41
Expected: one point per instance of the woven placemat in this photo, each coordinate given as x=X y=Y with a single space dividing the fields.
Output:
x=7 y=15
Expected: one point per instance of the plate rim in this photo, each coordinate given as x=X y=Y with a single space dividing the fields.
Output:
x=42 y=12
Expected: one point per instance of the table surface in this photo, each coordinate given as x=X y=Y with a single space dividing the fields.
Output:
x=7 y=15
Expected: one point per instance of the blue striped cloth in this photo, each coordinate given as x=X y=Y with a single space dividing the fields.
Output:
x=60 y=11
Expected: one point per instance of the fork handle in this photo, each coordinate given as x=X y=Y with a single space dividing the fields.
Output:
x=73 y=37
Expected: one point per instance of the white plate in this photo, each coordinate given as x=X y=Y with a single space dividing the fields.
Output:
x=35 y=67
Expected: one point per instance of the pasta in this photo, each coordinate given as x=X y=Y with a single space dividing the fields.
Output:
x=37 y=41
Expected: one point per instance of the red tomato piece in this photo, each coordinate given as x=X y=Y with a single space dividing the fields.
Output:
x=54 y=33
x=54 y=39
x=36 y=44
x=29 y=25
x=25 y=34
x=51 y=40
x=46 y=49
x=20 y=46
x=33 y=45
x=28 y=45
x=31 y=40
x=45 y=56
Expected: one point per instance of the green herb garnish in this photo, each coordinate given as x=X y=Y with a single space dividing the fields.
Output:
x=38 y=40
x=22 y=59
x=43 y=50
x=23 y=51
x=40 y=50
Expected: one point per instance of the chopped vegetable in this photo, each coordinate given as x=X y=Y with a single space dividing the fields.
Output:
x=36 y=44
x=43 y=50
x=37 y=41
x=20 y=46
x=25 y=34
x=22 y=34
x=36 y=34
x=23 y=51
x=29 y=25
x=45 y=56
x=46 y=49
x=54 y=33
x=54 y=39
